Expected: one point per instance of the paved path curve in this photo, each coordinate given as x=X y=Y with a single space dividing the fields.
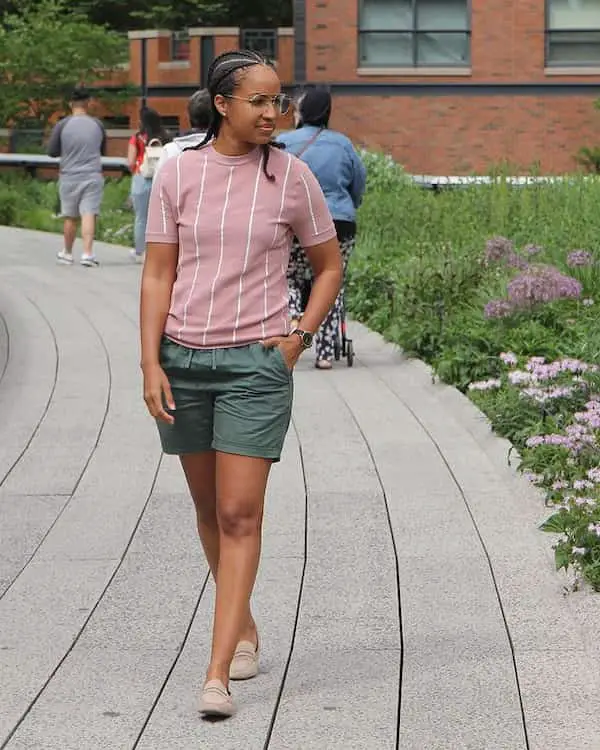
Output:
x=405 y=599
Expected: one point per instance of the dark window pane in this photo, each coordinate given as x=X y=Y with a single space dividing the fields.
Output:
x=439 y=15
x=574 y=48
x=386 y=50
x=442 y=49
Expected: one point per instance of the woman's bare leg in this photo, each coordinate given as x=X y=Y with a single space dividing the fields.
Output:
x=200 y=473
x=240 y=490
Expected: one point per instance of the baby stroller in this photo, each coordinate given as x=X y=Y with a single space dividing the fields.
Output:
x=343 y=346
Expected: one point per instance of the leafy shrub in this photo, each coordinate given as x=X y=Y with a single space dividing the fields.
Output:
x=460 y=277
x=32 y=203
x=8 y=205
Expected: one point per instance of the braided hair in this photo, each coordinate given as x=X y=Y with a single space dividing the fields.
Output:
x=223 y=78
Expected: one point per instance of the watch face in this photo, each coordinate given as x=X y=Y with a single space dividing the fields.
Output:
x=307 y=339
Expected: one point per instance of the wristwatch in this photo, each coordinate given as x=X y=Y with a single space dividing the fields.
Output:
x=305 y=337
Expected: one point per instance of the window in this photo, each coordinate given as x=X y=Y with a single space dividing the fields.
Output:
x=260 y=40
x=573 y=33
x=180 y=46
x=116 y=122
x=414 y=33
x=170 y=123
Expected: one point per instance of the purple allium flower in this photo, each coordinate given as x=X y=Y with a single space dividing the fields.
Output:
x=498 y=249
x=497 y=308
x=542 y=284
x=518 y=377
x=509 y=358
x=577 y=258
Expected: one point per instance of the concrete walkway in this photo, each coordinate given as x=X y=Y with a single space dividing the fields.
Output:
x=405 y=599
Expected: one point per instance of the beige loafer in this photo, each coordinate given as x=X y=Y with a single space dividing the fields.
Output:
x=216 y=700
x=244 y=664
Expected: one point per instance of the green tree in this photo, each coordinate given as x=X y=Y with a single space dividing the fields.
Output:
x=46 y=49
x=179 y=14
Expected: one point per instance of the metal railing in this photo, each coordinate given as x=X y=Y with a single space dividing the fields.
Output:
x=31 y=163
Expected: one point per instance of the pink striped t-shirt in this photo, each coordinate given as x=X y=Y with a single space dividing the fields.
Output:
x=234 y=230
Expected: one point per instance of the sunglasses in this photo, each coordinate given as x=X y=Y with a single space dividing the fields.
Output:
x=281 y=102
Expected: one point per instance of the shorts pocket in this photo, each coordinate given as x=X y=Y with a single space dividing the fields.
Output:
x=277 y=354
x=174 y=356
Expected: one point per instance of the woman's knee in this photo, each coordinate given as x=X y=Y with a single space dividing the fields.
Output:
x=239 y=520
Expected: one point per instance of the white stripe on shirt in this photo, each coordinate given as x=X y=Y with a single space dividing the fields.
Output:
x=248 y=241
x=310 y=205
x=267 y=254
x=193 y=286
x=221 y=253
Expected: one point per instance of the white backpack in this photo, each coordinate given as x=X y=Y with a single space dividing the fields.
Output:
x=152 y=153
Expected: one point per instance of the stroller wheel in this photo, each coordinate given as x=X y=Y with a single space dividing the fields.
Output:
x=337 y=351
x=349 y=352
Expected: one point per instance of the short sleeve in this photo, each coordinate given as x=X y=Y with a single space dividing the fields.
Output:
x=162 y=225
x=310 y=218
x=133 y=141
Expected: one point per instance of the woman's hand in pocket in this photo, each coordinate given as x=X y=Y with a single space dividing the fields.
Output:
x=157 y=392
x=290 y=347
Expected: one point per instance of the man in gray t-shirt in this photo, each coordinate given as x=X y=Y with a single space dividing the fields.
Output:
x=80 y=142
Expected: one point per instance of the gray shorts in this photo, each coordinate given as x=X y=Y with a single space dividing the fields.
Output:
x=79 y=197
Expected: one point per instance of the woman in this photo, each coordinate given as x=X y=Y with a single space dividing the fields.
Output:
x=151 y=129
x=342 y=176
x=217 y=350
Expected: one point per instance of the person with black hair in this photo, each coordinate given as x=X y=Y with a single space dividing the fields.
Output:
x=341 y=173
x=151 y=133
x=218 y=350
x=80 y=142
x=199 y=114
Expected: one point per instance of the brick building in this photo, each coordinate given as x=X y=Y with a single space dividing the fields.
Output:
x=445 y=86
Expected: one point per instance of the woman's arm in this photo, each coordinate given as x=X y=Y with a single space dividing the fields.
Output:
x=131 y=155
x=158 y=277
x=326 y=263
x=359 y=178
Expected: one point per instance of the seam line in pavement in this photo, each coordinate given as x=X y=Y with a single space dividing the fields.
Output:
x=479 y=536
x=89 y=458
x=396 y=562
x=299 y=600
x=171 y=669
x=90 y=615
x=48 y=402
x=7 y=335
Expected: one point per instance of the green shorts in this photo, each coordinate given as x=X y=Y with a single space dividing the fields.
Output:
x=235 y=400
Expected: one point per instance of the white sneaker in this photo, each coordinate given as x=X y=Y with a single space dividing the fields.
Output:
x=64 y=257
x=90 y=261
x=135 y=256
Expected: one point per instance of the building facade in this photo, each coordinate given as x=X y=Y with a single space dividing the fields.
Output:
x=445 y=86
